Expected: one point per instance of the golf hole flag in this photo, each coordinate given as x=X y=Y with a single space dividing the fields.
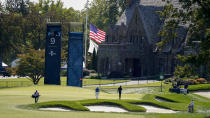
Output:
x=97 y=34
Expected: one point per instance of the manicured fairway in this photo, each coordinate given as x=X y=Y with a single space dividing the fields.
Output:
x=12 y=99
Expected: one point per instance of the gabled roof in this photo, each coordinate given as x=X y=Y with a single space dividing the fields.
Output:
x=149 y=16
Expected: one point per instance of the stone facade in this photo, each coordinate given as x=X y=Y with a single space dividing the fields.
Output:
x=130 y=47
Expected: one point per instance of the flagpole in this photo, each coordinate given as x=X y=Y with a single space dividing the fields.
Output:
x=86 y=34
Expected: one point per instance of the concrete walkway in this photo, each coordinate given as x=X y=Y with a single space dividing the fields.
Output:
x=133 y=82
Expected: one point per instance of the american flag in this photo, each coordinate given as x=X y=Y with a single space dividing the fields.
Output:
x=97 y=34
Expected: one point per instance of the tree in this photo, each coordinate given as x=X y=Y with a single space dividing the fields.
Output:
x=18 y=6
x=195 y=15
x=122 y=6
x=94 y=60
x=102 y=13
x=31 y=65
x=113 y=11
x=10 y=35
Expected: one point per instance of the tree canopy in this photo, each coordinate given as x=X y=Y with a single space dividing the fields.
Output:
x=193 y=14
x=23 y=25
x=31 y=65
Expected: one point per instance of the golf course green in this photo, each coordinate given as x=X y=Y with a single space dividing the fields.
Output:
x=17 y=103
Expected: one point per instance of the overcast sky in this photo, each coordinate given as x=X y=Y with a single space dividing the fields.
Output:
x=76 y=4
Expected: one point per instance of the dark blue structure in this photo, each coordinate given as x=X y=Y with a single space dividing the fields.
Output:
x=75 y=59
x=53 y=54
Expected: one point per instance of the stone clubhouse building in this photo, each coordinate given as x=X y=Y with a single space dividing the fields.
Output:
x=130 y=48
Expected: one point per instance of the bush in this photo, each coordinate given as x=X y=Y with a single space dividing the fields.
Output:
x=115 y=74
x=193 y=81
x=202 y=80
x=86 y=72
x=94 y=76
x=63 y=73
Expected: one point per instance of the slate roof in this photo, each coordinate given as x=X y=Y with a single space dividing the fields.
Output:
x=149 y=16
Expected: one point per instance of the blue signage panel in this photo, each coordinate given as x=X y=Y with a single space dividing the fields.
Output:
x=53 y=54
x=75 y=59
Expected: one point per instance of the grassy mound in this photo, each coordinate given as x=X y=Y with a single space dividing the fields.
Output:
x=79 y=105
x=120 y=103
x=178 y=102
x=64 y=104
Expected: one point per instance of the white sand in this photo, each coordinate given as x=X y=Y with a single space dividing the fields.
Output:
x=153 y=109
x=204 y=93
x=105 y=108
x=54 y=109
x=109 y=108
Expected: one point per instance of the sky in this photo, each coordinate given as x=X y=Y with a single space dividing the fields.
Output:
x=76 y=4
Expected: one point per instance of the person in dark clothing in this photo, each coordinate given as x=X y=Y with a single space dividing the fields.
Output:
x=186 y=86
x=36 y=96
x=119 y=91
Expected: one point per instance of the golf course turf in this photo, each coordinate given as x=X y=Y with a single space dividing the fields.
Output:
x=17 y=103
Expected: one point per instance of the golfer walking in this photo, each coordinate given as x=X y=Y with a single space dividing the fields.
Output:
x=119 y=91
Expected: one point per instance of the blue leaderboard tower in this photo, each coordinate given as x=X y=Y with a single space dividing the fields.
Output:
x=75 y=59
x=53 y=54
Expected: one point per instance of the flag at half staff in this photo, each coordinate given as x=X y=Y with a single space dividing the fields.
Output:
x=97 y=34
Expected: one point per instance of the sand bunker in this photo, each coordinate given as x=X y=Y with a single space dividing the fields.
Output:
x=54 y=109
x=106 y=108
x=109 y=108
x=203 y=93
x=153 y=109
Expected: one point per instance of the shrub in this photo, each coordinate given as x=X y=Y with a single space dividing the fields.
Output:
x=86 y=72
x=115 y=74
x=193 y=81
x=201 y=80
x=63 y=73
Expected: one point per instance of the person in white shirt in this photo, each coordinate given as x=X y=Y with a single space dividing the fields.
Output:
x=191 y=107
x=97 y=92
